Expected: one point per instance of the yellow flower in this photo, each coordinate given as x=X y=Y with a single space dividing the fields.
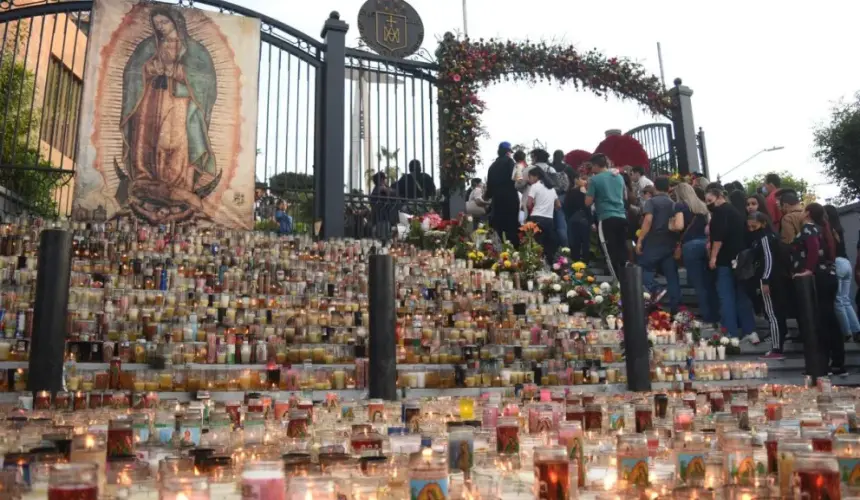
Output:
x=596 y=290
x=504 y=256
x=472 y=255
x=480 y=255
x=579 y=266
x=590 y=279
x=495 y=266
x=507 y=263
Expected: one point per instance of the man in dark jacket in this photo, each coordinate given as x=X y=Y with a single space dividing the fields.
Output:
x=500 y=190
x=416 y=184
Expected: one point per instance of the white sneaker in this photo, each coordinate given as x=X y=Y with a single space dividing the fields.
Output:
x=752 y=339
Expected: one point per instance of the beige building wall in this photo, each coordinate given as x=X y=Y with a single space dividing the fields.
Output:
x=41 y=39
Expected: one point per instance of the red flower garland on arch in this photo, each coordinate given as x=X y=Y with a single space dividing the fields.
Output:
x=624 y=151
x=465 y=66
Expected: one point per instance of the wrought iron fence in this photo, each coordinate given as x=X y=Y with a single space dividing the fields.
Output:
x=657 y=140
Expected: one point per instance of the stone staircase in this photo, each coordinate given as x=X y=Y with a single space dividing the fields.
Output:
x=789 y=371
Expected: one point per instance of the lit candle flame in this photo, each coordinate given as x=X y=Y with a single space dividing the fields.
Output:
x=90 y=442
x=181 y=496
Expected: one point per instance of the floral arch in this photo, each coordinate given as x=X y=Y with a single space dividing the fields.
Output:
x=465 y=66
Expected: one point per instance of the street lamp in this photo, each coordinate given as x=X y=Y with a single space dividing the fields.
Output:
x=739 y=165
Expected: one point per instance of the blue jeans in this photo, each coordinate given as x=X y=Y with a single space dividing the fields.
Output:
x=695 y=253
x=560 y=223
x=845 y=314
x=736 y=308
x=579 y=237
x=659 y=256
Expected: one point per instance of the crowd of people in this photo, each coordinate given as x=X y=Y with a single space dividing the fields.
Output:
x=740 y=250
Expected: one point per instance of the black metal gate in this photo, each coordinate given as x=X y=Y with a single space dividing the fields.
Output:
x=659 y=142
x=387 y=116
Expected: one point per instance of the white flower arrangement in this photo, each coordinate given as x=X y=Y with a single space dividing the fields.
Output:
x=556 y=287
x=605 y=287
x=725 y=341
x=736 y=342
x=571 y=294
x=646 y=295
x=652 y=337
x=598 y=299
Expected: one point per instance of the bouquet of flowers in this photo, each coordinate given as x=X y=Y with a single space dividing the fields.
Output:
x=659 y=320
x=733 y=346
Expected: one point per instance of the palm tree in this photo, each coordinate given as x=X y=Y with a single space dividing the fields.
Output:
x=390 y=169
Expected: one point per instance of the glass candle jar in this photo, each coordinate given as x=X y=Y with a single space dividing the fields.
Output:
x=570 y=436
x=575 y=413
x=264 y=481
x=738 y=460
x=461 y=449
x=184 y=487
x=376 y=410
x=846 y=447
x=644 y=418
x=366 y=441
x=822 y=439
x=89 y=448
x=689 y=450
x=298 y=425
x=771 y=444
x=490 y=417
x=552 y=475
x=593 y=417
x=508 y=436
x=661 y=405
x=773 y=410
x=816 y=476
x=718 y=403
x=683 y=420
x=120 y=438
x=429 y=477
x=74 y=481
x=632 y=461
x=689 y=401
x=190 y=429
x=786 y=451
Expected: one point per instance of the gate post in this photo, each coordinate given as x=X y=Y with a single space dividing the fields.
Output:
x=685 y=130
x=333 y=99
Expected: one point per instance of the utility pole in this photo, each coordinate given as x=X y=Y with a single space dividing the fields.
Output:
x=465 y=21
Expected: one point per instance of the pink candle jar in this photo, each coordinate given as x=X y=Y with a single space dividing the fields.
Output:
x=76 y=481
x=264 y=481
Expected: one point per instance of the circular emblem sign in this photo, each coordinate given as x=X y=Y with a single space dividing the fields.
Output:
x=390 y=27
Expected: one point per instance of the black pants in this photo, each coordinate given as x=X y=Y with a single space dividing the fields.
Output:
x=613 y=240
x=508 y=227
x=832 y=340
x=579 y=237
x=546 y=237
x=774 y=307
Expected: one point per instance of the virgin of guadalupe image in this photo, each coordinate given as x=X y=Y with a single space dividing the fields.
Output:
x=169 y=90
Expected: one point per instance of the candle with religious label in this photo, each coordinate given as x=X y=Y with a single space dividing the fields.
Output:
x=771 y=444
x=822 y=438
x=552 y=476
x=120 y=438
x=787 y=449
x=90 y=448
x=846 y=447
x=689 y=449
x=184 y=487
x=461 y=449
x=376 y=410
x=739 y=462
x=508 y=436
x=632 y=461
x=570 y=436
x=644 y=419
x=429 y=477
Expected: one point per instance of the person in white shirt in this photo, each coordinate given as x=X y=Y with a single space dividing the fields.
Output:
x=542 y=204
x=640 y=180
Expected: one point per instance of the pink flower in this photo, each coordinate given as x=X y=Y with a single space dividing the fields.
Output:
x=456 y=78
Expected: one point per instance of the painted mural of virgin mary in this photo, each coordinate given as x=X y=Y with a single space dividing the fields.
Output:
x=169 y=90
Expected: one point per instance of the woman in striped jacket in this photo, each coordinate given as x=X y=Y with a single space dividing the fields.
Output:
x=773 y=274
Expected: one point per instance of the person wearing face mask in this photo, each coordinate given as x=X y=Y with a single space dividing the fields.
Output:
x=727 y=237
x=772 y=272
x=502 y=193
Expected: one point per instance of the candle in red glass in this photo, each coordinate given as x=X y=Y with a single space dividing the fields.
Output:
x=77 y=481
x=773 y=410
x=575 y=414
x=365 y=441
x=62 y=401
x=587 y=399
x=690 y=401
x=816 y=476
x=80 y=402
x=683 y=419
x=593 y=417
x=771 y=444
x=508 y=436
x=822 y=439
x=717 y=402
x=96 y=400
x=552 y=476
x=42 y=400
x=752 y=394
x=739 y=408
x=661 y=404
x=644 y=420
x=233 y=409
x=256 y=406
x=120 y=438
x=727 y=395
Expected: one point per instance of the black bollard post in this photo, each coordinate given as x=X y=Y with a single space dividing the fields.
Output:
x=49 y=311
x=382 y=373
x=808 y=323
x=636 y=350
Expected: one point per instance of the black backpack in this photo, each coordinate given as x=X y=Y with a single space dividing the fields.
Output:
x=744 y=265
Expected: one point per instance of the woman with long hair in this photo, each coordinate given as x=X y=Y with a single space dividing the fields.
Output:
x=542 y=203
x=757 y=203
x=694 y=252
x=845 y=313
x=813 y=254
x=773 y=276
x=738 y=200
